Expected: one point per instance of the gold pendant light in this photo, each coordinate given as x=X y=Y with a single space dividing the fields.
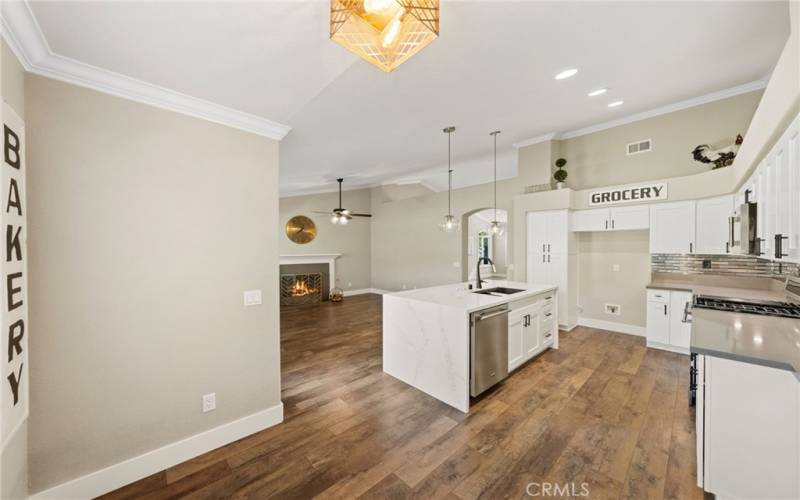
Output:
x=384 y=32
x=450 y=224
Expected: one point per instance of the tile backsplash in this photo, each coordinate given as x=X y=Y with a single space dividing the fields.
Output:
x=725 y=265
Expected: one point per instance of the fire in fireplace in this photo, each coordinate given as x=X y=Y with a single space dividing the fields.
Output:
x=299 y=289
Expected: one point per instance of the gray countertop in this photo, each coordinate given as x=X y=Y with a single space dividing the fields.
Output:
x=751 y=338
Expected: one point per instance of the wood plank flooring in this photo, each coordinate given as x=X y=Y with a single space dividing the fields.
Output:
x=603 y=413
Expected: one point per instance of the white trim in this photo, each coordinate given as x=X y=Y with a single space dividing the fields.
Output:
x=667 y=347
x=25 y=37
x=669 y=108
x=110 y=478
x=613 y=326
x=536 y=140
x=361 y=291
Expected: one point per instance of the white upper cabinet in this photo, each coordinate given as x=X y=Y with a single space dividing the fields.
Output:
x=672 y=227
x=595 y=219
x=714 y=225
x=627 y=218
x=612 y=219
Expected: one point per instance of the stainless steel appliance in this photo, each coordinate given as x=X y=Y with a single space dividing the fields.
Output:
x=742 y=230
x=488 y=348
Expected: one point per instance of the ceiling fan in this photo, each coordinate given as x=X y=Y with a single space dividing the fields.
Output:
x=341 y=215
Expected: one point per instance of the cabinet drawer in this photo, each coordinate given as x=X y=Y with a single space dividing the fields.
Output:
x=547 y=315
x=657 y=295
x=547 y=299
x=548 y=336
x=531 y=301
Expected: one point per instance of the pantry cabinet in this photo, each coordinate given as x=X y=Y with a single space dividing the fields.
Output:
x=672 y=227
x=552 y=259
x=668 y=324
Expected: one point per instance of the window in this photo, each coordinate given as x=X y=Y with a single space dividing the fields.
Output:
x=484 y=245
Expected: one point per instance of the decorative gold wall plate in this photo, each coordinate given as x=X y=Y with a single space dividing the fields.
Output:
x=300 y=229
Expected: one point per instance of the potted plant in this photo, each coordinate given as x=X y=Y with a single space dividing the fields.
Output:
x=560 y=175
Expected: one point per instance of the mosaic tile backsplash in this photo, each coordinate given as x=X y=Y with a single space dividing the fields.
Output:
x=725 y=265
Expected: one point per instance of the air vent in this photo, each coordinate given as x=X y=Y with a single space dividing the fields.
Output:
x=637 y=147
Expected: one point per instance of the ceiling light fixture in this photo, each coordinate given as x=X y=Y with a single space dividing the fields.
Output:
x=595 y=93
x=384 y=32
x=566 y=74
x=496 y=227
x=615 y=104
x=450 y=224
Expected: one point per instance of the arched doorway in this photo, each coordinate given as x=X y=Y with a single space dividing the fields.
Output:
x=477 y=241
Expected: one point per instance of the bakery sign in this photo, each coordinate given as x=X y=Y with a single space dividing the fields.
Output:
x=13 y=272
x=654 y=191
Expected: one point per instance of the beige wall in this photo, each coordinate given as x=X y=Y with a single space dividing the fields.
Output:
x=352 y=240
x=600 y=284
x=145 y=228
x=14 y=458
x=600 y=159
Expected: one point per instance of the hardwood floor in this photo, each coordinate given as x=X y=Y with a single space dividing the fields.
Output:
x=602 y=412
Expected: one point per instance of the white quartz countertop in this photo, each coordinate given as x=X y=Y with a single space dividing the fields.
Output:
x=458 y=296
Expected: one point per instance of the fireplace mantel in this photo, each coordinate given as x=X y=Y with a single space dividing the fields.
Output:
x=314 y=258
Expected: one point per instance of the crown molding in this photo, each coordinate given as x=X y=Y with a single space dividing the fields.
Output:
x=669 y=108
x=26 y=40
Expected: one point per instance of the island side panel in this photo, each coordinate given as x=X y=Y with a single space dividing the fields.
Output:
x=427 y=346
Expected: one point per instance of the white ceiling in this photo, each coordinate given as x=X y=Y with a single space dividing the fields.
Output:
x=491 y=68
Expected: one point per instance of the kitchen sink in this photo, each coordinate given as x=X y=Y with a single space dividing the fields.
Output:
x=499 y=291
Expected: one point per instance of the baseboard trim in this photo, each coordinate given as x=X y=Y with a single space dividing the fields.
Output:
x=665 y=347
x=362 y=291
x=612 y=326
x=131 y=470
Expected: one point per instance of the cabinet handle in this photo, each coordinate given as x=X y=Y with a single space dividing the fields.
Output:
x=542 y=258
x=606 y=224
x=612 y=223
x=548 y=298
x=779 y=246
x=665 y=309
x=691 y=248
x=548 y=247
x=549 y=314
x=543 y=247
x=757 y=246
x=727 y=247
x=548 y=258
x=731 y=241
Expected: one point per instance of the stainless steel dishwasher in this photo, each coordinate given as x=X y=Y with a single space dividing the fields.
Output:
x=488 y=348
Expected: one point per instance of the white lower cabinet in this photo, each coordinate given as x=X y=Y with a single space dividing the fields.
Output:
x=748 y=423
x=531 y=325
x=667 y=324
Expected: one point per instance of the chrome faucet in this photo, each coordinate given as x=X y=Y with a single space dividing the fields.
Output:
x=486 y=260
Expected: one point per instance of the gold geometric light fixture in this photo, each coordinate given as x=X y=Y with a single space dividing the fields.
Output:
x=384 y=32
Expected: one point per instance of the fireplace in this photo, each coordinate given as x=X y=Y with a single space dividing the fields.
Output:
x=303 y=284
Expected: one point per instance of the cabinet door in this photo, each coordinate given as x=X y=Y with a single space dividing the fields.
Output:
x=591 y=220
x=537 y=232
x=532 y=340
x=679 y=332
x=557 y=230
x=626 y=218
x=713 y=225
x=658 y=322
x=793 y=201
x=538 y=270
x=672 y=227
x=515 y=339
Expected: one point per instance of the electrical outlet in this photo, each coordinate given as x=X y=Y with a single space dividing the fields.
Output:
x=252 y=297
x=615 y=267
x=456 y=264
x=349 y=284
x=210 y=402
x=614 y=309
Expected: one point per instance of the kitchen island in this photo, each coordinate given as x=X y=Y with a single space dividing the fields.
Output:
x=427 y=332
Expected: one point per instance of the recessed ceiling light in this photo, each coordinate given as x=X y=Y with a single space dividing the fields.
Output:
x=615 y=104
x=595 y=93
x=566 y=74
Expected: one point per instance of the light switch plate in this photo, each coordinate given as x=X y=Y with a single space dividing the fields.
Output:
x=209 y=402
x=252 y=297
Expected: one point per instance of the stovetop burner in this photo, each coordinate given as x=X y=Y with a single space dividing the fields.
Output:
x=765 y=308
